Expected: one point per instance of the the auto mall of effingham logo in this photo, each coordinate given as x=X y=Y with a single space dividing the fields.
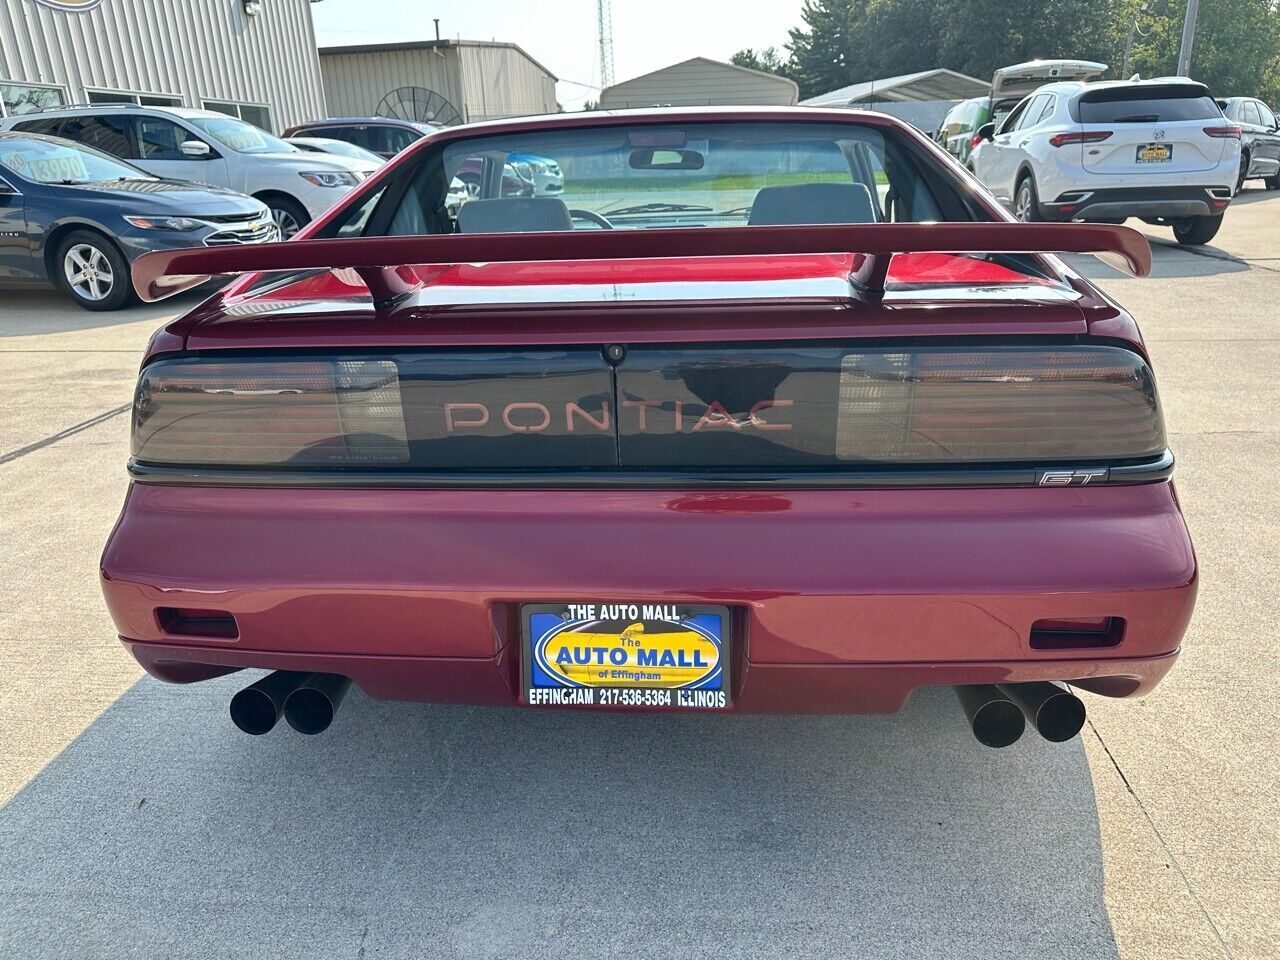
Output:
x=72 y=6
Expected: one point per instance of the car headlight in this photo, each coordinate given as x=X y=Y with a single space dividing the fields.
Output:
x=330 y=178
x=176 y=224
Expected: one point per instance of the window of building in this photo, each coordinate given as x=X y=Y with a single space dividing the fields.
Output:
x=143 y=99
x=254 y=113
x=19 y=98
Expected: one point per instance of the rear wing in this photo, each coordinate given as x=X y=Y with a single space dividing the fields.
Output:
x=381 y=262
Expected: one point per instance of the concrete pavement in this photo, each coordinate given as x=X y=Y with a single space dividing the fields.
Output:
x=139 y=823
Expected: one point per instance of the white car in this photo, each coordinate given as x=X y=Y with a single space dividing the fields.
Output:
x=339 y=148
x=202 y=146
x=1159 y=150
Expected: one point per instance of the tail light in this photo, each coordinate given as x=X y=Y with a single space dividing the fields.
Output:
x=997 y=405
x=1227 y=132
x=973 y=142
x=1079 y=136
x=305 y=412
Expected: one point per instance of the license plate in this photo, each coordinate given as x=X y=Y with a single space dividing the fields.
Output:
x=592 y=654
x=1155 y=153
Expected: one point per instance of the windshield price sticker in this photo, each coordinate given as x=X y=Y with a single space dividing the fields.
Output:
x=626 y=655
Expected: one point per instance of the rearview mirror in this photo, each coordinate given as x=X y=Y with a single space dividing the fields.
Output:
x=666 y=160
x=986 y=131
x=195 y=148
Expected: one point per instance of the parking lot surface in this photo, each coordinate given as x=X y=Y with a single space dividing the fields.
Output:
x=137 y=822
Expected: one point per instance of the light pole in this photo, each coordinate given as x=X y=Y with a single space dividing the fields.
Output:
x=1188 y=35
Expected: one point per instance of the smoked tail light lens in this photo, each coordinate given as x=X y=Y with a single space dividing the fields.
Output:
x=982 y=405
x=1225 y=133
x=328 y=412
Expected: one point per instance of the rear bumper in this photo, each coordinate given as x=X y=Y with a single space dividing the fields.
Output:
x=843 y=600
x=1150 y=202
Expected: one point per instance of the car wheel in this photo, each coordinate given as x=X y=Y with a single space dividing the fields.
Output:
x=93 y=272
x=1026 y=206
x=289 y=215
x=1244 y=170
x=1191 y=231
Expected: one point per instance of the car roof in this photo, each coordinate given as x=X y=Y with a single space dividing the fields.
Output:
x=387 y=121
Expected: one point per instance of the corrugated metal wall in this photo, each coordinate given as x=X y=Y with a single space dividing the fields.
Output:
x=502 y=82
x=355 y=83
x=698 y=83
x=482 y=81
x=195 y=49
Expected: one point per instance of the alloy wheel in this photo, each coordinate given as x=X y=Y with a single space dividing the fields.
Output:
x=1022 y=203
x=88 y=272
x=286 y=223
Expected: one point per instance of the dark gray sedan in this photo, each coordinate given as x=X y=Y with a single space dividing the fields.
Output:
x=75 y=217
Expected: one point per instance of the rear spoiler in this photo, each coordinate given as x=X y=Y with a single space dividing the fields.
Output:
x=381 y=261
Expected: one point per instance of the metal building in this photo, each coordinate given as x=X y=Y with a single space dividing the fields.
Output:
x=255 y=59
x=922 y=98
x=445 y=81
x=698 y=82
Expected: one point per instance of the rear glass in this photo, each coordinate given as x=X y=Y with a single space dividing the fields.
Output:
x=1146 y=105
x=670 y=175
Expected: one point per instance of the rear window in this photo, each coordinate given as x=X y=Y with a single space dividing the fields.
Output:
x=662 y=176
x=1146 y=104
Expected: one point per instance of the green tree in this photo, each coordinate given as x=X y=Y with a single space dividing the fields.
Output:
x=820 y=48
x=895 y=37
x=769 y=60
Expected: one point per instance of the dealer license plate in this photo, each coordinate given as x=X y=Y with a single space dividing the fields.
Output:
x=1155 y=153
x=592 y=654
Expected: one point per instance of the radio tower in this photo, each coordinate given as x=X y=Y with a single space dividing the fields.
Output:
x=604 y=22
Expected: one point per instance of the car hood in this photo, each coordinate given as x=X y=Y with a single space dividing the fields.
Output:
x=171 y=197
x=319 y=161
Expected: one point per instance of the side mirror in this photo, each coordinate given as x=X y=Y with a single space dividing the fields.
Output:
x=195 y=148
x=986 y=131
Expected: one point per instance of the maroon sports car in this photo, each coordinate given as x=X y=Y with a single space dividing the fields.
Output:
x=770 y=410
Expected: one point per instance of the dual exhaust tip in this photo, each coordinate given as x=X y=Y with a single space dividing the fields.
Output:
x=307 y=701
x=998 y=713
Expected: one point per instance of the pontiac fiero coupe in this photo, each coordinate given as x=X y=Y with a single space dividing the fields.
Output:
x=769 y=410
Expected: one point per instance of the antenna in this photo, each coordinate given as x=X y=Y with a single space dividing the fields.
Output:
x=604 y=24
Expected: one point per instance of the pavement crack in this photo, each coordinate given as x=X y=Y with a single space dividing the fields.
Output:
x=1186 y=882
x=63 y=434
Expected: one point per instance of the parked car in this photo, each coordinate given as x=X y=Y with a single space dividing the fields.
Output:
x=472 y=171
x=339 y=148
x=1159 y=150
x=76 y=218
x=203 y=146
x=958 y=132
x=722 y=464
x=543 y=172
x=1259 y=140
x=381 y=135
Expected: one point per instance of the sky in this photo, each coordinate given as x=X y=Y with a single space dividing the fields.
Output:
x=561 y=34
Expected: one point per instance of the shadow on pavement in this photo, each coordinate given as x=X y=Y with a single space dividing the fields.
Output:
x=1168 y=261
x=427 y=831
x=44 y=310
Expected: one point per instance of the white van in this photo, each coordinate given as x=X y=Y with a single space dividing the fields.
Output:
x=202 y=146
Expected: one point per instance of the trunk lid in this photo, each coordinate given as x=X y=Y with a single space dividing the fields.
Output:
x=1016 y=81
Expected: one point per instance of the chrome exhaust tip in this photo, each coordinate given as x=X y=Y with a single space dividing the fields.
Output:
x=994 y=719
x=258 y=707
x=312 y=706
x=1055 y=712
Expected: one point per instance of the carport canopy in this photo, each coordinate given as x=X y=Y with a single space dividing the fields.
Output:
x=940 y=84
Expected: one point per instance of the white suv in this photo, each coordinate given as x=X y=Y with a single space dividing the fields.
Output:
x=202 y=146
x=1159 y=150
